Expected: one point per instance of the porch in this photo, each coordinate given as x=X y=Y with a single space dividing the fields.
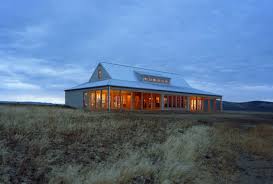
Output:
x=118 y=99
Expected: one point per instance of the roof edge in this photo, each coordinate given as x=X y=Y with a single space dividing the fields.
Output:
x=215 y=95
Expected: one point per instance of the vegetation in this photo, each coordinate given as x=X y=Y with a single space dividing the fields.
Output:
x=61 y=145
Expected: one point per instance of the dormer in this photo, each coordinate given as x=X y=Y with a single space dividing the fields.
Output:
x=152 y=77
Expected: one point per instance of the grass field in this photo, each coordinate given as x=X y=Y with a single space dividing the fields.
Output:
x=62 y=145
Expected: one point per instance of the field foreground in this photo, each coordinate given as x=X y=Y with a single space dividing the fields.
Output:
x=61 y=145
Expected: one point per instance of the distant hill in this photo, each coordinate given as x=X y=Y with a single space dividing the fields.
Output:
x=31 y=103
x=258 y=106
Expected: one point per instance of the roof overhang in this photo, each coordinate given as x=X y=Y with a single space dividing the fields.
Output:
x=146 y=89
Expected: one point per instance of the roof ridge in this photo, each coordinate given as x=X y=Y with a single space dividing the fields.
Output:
x=140 y=68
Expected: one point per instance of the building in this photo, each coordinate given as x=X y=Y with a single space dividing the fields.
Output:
x=121 y=87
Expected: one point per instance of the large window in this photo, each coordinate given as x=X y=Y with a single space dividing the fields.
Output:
x=178 y=100
x=165 y=101
x=115 y=99
x=126 y=100
x=174 y=101
x=137 y=100
x=170 y=102
x=104 y=99
x=147 y=101
x=184 y=102
x=98 y=99
x=92 y=100
x=196 y=103
x=156 y=101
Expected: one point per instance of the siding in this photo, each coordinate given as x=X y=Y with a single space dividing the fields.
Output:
x=74 y=98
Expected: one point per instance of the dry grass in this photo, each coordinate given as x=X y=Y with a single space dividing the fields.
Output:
x=58 y=145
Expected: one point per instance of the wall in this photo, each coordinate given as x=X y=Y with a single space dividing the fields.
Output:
x=74 y=98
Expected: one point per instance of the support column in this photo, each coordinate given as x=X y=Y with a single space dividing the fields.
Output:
x=151 y=101
x=214 y=105
x=132 y=101
x=162 y=102
x=120 y=100
x=181 y=101
x=221 y=105
x=175 y=97
x=209 y=105
x=109 y=99
x=141 y=101
x=171 y=97
x=101 y=99
x=188 y=103
x=196 y=105
x=167 y=108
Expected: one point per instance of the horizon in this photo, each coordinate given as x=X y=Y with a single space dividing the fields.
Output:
x=220 y=47
x=39 y=102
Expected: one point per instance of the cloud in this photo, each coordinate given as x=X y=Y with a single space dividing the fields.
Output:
x=34 y=79
x=33 y=98
x=14 y=84
x=28 y=37
x=40 y=68
x=258 y=88
x=211 y=43
x=31 y=37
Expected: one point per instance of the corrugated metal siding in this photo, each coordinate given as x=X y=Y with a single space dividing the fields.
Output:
x=74 y=98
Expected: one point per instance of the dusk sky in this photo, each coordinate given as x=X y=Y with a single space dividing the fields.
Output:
x=225 y=47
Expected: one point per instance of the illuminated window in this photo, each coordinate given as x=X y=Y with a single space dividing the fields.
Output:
x=99 y=74
x=155 y=79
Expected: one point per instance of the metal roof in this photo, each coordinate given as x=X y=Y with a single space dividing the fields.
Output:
x=124 y=72
x=143 y=86
x=124 y=76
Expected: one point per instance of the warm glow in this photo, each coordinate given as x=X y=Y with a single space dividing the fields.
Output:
x=157 y=80
x=99 y=74
x=127 y=100
x=196 y=103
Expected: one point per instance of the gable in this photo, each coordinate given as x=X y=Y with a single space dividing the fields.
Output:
x=99 y=74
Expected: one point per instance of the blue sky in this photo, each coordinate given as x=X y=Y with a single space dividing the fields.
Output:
x=225 y=47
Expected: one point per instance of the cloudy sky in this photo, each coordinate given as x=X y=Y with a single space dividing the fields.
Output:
x=225 y=47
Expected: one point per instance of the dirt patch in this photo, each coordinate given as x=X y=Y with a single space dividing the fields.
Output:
x=255 y=169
